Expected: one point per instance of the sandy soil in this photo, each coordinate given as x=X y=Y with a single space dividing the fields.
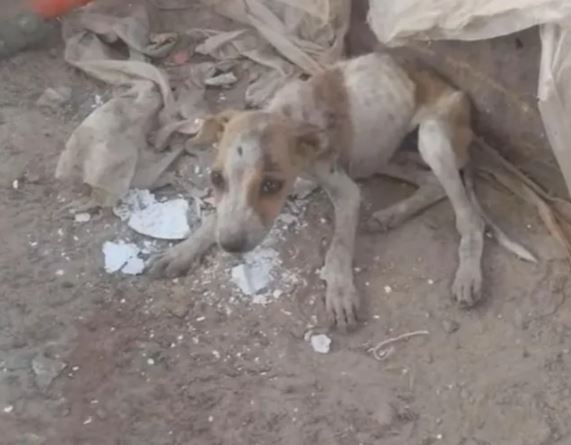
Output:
x=92 y=358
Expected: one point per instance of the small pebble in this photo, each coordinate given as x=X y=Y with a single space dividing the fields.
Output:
x=150 y=362
x=388 y=289
x=320 y=343
x=15 y=184
x=8 y=409
x=82 y=217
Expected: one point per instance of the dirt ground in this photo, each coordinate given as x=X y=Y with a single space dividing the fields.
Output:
x=92 y=358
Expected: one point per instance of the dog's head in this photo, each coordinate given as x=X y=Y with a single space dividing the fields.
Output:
x=259 y=156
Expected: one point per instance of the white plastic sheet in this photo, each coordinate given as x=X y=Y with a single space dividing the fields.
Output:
x=395 y=22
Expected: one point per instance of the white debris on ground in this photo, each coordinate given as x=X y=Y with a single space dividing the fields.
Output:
x=163 y=220
x=149 y=247
x=123 y=257
x=168 y=220
x=260 y=276
x=255 y=274
x=97 y=101
x=82 y=217
x=320 y=343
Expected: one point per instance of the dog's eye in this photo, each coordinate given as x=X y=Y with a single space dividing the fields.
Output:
x=271 y=186
x=217 y=179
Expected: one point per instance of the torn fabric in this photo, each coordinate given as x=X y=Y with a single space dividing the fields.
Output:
x=107 y=150
x=307 y=36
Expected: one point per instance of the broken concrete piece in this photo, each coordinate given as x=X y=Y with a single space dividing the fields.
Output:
x=46 y=370
x=251 y=279
x=320 y=343
x=135 y=266
x=162 y=220
x=54 y=97
x=254 y=275
x=122 y=257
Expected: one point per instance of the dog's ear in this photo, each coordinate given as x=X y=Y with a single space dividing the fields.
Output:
x=213 y=127
x=309 y=141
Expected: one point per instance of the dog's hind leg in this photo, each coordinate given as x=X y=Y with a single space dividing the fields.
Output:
x=437 y=136
x=429 y=192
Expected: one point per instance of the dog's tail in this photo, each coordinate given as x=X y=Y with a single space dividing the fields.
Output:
x=503 y=239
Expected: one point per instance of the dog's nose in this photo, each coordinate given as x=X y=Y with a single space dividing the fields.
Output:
x=236 y=244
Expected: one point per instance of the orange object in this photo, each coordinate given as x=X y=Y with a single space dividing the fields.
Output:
x=54 y=8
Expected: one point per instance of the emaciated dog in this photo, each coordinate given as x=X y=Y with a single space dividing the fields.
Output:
x=342 y=124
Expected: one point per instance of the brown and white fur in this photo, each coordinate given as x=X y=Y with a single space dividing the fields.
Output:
x=342 y=124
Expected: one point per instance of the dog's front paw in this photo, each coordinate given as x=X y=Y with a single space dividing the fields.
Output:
x=174 y=262
x=467 y=286
x=342 y=302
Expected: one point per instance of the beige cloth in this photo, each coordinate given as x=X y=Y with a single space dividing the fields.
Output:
x=306 y=36
x=309 y=34
x=109 y=150
x=397 y=21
